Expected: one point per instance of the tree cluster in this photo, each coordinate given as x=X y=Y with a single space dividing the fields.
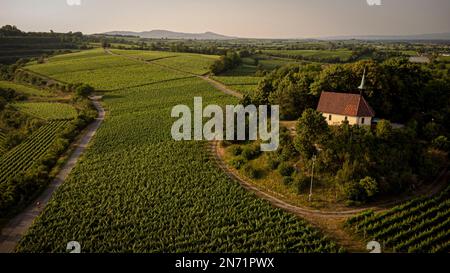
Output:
x=225 y=63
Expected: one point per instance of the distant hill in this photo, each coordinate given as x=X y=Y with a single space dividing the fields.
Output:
x=432 y=36
x=161 y=34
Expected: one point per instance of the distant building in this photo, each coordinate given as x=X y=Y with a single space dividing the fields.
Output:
x=339 y=107
x=420 y=60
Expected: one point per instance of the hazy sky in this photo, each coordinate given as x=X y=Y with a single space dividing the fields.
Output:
x=244 y=18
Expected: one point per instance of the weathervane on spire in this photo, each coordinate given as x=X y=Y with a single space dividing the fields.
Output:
x=363 y=81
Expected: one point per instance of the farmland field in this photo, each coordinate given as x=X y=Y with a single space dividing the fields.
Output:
x=137 y=190
x=47 y=110
x=421 y=225
x=342 y=55
x=2 y=143
x=25 y=89
x=242 y=84
x=23 y=156
x=109 y=79
x=191 y=63
x=146 y=55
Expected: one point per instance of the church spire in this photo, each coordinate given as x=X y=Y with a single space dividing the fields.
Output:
x=363 y=81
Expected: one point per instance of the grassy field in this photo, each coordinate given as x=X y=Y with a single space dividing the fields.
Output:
x=25 y=89
x=137 y=190
x=47 y=110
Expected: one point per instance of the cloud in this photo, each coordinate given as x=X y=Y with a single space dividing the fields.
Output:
x=73 y=2
x=374 y=2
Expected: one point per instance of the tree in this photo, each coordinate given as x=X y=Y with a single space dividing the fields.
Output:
x=84 y=90
x=384 y=129
x=9 y=30
x=105 y=44
x=369 y=185
x=312 y=130
x=225 y=63
x=441 y=143
x=3 y=103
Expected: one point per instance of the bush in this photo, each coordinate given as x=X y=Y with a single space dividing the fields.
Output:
x=273 y=163
x=361 y=191
x=285 y=169
x=302 y=183
x=369 y=185
x=353 y=191
x=288 y=152
x=236 y=150
x=287 y=180
x=250 y=171
x=441 y=143
x=250 y=152
x=84 y=90
x=238 y=162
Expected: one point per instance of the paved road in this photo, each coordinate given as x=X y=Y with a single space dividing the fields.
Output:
x=18 y=226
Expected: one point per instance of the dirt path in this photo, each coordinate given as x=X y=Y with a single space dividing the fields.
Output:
x=13 y=231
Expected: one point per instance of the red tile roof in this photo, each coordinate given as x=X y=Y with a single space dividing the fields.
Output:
x=344 y=104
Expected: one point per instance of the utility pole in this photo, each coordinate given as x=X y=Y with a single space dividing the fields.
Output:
x=312 y=178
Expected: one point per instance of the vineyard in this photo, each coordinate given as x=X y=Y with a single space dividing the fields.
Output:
x=243 y=84
x=48 y=110
x=190 y=63
x=24 y=89
x=421 y=225
x=342 y=55
x=2 y=143
x=22 y=157
x=137 y=190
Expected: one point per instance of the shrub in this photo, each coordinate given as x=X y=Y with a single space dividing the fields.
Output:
x=236 y=150
x=288 y=180
x=353 y=191
x=285 y=169
x=250 y=152
x=441 y=143
x=273 y=163
x=250 y=171
x=238 y=162
x=302 y=183
x=84 y=90
x=369 y=185
x=288 y=152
